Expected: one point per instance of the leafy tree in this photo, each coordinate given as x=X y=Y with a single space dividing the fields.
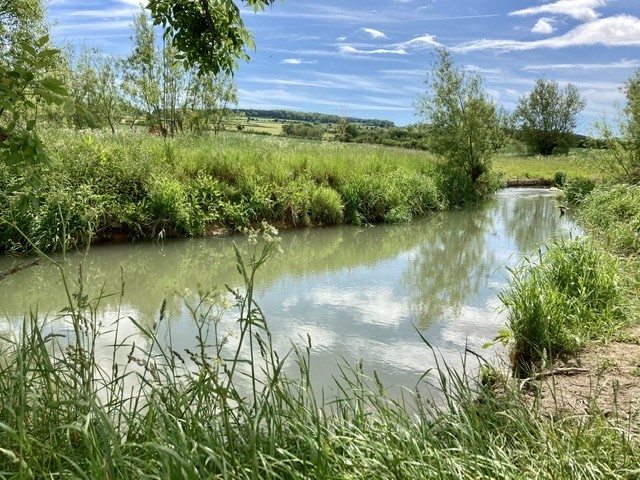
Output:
x=547 y=117
x=211 y=97
x=464 y=125
x=143 y=71
x=210 y=34
x=622 y=158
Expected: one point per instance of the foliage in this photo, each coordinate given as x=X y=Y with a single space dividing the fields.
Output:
x=303 y=130
x=622 y=159
x=464 y=126
x=209 y=34
x=569 y=294
x=210 y=99
x=26 y=83
x=310 y=117
x=560 y=179
x=143 y=71
x=135 y=185
x=547 y=116
x=612 y=213
x=578 y=189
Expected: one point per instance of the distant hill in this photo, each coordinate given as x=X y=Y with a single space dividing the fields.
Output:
x=311 y=117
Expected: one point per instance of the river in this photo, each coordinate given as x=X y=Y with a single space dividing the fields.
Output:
x=356 y=292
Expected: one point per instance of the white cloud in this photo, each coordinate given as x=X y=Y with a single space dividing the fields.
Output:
x=341 y=39
x=616 y=31
x=582 y=10
x=543 y=26
x=622 y=64
x=420 y=43
x=349 y=50
x=374 y=33
x=295 y=61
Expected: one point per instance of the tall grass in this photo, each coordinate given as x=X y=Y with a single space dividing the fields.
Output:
x=226 y=409
x=568 y=294
x=612 y=212
x=100 y=187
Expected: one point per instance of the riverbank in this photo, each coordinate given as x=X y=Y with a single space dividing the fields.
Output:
x=104 y=188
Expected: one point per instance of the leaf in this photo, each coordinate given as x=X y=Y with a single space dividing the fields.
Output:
x=54 y=86
x=42 y=41
x=31 y=124
x=69 y=108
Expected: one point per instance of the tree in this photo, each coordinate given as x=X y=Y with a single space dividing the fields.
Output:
x=210 y=98
x=464 y=125
x=28 y=80
x=210 y=34
x=547 y=117
x=622 y=157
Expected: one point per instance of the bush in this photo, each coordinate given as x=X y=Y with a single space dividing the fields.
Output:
x=559 y=179
x=577 y=189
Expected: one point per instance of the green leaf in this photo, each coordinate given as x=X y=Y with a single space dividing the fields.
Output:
x=31 y=124
x=54 y=86
x=69 y=108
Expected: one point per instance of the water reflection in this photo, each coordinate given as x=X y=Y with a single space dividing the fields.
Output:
x=356 y=292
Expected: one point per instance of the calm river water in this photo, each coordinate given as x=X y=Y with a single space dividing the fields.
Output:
x=359 y=293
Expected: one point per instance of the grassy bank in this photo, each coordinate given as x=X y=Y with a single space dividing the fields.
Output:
x=101 y=187
x=227 y=410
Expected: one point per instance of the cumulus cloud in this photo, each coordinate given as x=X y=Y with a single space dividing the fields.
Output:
x=374 y=33
x=616 y=31
x=582 y=10
x=543 y=26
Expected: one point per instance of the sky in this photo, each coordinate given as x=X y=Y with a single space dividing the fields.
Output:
x=368 y=58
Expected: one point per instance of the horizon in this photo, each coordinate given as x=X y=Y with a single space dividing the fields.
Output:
x=369 y=59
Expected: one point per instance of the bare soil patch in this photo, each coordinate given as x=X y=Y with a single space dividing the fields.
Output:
x=604 y=378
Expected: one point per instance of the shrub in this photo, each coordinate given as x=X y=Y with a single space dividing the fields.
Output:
x=559 y=179
x=578 y=188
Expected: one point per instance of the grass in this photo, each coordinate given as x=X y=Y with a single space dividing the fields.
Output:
x=579 y=163
x=569 y=294
x=100 y=186
x=226 y=410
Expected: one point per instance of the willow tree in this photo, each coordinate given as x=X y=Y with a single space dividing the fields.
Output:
x=463 y=123
x=547 y=117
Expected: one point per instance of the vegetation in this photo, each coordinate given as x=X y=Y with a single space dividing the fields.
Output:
x=546 y=118
x=569 y=294
x=622 y=160
x=464 y=125
x=134 y=185
x=209 y=34
x=309 y=117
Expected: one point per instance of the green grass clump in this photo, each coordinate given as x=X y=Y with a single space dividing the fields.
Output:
x=612 y=213
x=568 y=295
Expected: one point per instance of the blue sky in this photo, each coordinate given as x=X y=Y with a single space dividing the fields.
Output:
x=368 y=58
